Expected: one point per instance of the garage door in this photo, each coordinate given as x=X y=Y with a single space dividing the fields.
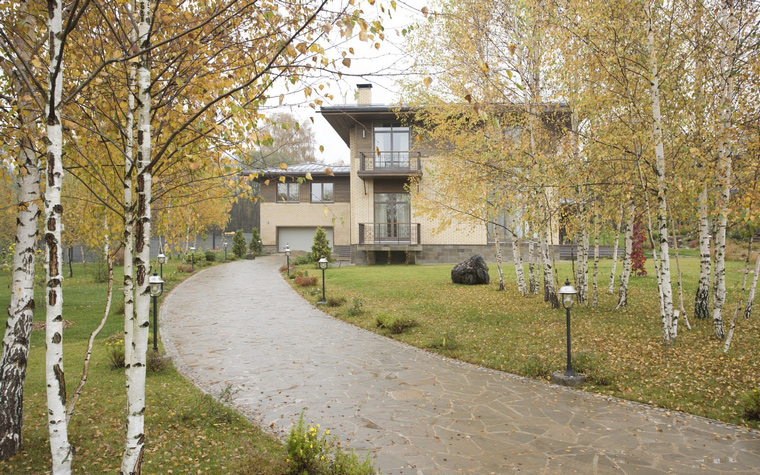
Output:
x=300 y=239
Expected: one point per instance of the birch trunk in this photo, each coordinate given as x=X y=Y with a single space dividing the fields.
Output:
x=739 y=303
x=724 y=170
x=626 y=274
x=611 y=290
x=595 y=297
x=532 y=267
x=584 y=270
x=135 y=443
x=54 y=373
x=129 y=221
x=751 y=296
x=497 y=245
x=18 y=328
x=702 y=298
x=517 y=258
x=550 y=294
x=669 y=328
x=678 y=271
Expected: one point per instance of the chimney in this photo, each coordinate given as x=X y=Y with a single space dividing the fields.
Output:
x=364 y=94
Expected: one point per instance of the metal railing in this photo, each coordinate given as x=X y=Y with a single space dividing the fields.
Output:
x=389 y=233
x=387 y=161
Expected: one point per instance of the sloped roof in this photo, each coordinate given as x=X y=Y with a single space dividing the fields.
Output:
x=301 y=170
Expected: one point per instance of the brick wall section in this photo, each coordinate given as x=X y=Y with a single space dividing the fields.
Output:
x=274 y=215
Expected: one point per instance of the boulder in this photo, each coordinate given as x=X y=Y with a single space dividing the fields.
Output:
x=473 y=271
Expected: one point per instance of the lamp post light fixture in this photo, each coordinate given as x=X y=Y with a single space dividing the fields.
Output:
x=569 y=378
x=225 y=249
x=192 y=259
x=161 y=262
x=156 y=289
x=323 y=266
x=287 y=255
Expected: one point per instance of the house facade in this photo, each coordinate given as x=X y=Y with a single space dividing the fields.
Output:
x=384 y=226
x=294 y=202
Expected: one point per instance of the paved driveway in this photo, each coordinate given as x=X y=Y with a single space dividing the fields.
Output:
x=241 y=325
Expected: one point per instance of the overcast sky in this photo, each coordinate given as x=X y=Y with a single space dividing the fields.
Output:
x=379 y=67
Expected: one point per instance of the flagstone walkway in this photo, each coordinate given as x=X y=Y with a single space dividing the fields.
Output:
x=241 y=326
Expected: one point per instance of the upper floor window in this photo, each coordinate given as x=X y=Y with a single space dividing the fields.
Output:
x=287 y=192
x=322 y=192
x=391 y=145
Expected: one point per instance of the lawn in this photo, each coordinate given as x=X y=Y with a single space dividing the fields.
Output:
x=187 y=431
x=621 y=351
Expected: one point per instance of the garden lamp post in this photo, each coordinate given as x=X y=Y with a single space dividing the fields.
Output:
x=156 y=289
x=161 y=262
x=323 y=266
x=569 y=378
x=192 y=259
x=287 y=255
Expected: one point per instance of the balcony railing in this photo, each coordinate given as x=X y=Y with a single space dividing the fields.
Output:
x=389 y=233
x=391 y=162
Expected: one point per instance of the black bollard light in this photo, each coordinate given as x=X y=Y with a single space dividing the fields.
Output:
x=323 y=266
x=156 y=289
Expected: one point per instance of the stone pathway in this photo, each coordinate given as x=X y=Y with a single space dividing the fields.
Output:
x=240 y=325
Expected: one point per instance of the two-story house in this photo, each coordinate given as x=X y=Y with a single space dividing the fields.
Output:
x=384 y=226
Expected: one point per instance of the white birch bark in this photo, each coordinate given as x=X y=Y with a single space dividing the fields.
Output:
x=751 y=296
x=54 y=373
x=497 y=245
x=669 y=329
x=129 y=221
x=135 y=443
x=550 y=294
x=611 y=288
x=682 y=310
x=702 y=298
x=517 y=258
x=595 y=296
x=626 y=274
x=18 y=329
x=532 y=267
x=584 y=264
x=732 y=328
x=724 y=163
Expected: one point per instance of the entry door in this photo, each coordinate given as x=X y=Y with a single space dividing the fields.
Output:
x=392 y=217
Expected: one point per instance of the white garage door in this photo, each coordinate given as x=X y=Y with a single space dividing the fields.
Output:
x=300 y=239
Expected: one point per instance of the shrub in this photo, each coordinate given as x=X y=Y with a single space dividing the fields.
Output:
x=301 y=260
x=210 y=256
x=255 y=245
x=311 y=452
x=115 y=349
x=336 y=301
x=395 y=325
x=156 y=362
x=356 y=308
x=321 y=247
x=305 y=281
x=238 y=244
x=185 y=268
x=750 y=404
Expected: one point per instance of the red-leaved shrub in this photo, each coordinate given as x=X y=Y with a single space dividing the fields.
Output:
x=305 y=281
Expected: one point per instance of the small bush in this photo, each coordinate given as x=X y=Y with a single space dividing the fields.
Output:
x=592 y=367
x=447 y=342
x=311 y=452
x=321 y=247
x=185 y=268
x=356 y=308
x=238 y=244
x=100 y=276
x=305 y=281
x=156 y=362
x=336 y=301
x=115 y=349
x=750 y=404
x=301 y=260
x=395 y=325
x=210 y=256
x=255 y=244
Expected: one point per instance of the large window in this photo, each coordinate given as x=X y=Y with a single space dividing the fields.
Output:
x=391 y=145
x=322 y=193
x=287 y=192
x=392 y=217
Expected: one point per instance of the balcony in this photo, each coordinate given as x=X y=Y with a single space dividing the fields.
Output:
x=390 y=164
x=389 y=236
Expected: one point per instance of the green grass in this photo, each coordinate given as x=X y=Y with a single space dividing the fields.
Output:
x=186 y=431
x=620 y=350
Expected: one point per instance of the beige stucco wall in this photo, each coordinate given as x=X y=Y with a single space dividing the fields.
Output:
x=274 y=215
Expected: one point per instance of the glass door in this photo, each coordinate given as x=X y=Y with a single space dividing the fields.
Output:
x=392 y=217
